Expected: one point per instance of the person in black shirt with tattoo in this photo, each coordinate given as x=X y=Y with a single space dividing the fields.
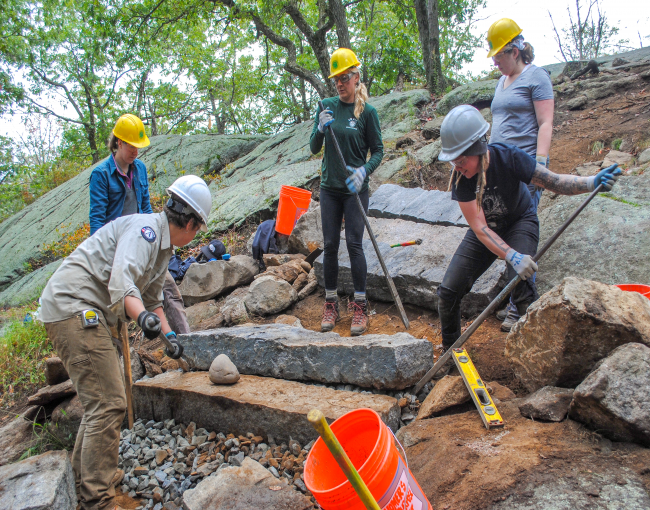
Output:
x=489 y=183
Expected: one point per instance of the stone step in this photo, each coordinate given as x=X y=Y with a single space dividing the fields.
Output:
x=416 y=204
x=416 y=270
x=286 y=352
x=261 y=405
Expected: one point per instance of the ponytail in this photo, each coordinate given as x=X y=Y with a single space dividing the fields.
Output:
x=527 y=54
x=360 y=96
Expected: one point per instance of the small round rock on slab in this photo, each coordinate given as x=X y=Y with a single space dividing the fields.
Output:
x=223 y=371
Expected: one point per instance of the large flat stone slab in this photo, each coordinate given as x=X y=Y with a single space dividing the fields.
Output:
x=44 y=482
x=261 y=405
x=416 y=204
x=416 y=270
x=286 y=352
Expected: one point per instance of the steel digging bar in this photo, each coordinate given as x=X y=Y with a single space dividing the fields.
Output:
x=391 y=284
x=502 y=295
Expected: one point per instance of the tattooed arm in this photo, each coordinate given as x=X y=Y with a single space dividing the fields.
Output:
x=477 y=222
x=562 y=184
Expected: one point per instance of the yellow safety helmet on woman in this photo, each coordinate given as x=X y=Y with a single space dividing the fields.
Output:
x=130 y=129
x=342 y=60
x=501 y=33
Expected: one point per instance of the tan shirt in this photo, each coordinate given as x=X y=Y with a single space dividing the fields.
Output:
x=126 y=257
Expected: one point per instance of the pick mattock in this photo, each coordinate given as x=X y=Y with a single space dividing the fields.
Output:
x=391 y=284
x=502 y=295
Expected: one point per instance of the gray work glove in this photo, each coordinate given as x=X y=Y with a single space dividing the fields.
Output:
x=523 y=264
x=325 y=118
x=149 y=322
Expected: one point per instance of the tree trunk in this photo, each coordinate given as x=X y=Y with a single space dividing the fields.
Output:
x=337 y=11
x=437 y=83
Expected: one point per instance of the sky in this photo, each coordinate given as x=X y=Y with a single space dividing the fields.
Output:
x=630 y=16
x=532 y=17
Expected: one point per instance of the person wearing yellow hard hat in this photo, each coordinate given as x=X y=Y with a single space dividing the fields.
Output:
x=522 y=109
x=356 y=126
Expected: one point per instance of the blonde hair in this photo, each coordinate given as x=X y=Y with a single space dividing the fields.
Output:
x=360 y=94
x=483 y=164
x=527 y=54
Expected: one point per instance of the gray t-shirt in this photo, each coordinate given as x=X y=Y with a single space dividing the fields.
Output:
x=513 y=113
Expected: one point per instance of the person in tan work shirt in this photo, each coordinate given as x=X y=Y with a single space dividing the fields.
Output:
x=117 y=273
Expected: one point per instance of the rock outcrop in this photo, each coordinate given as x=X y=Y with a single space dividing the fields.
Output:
x=613 y=399
x=572 y=327
x=29 y=288
x=478 y=94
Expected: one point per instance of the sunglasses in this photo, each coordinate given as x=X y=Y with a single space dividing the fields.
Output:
x=344 y=78
x=501 y=54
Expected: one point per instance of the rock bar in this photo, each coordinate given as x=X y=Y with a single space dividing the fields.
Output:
x=261 y=405
x=286 y=352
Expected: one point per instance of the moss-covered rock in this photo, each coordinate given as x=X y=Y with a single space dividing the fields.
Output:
x=478 y=93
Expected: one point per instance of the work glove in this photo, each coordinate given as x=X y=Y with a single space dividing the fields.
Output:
x=149 y=322
x=542 y=160
x=325 y=118
x=357 y=176
x=523 y=264
x=607 y=177
x=178 y=348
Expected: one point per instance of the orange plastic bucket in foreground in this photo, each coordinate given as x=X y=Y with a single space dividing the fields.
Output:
x=293 y=203
x=635 y=287
x=369 y=444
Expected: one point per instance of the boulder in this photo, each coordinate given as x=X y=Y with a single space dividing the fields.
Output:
x=478 y=94
x=572 y=327
x=416 y=270
x=285 y=352
x=289 y=320
x=223 y=371
x=431 y=130
x=644 y=157
x=52 y=393
x=588 y=169
x=277 y=259
x=16 y=436
x=397 y=111
x=287 y=272
x=428 y=154
x=28 y=289
x=307 y=235
x=200 y=312
x=55 y=372
x=44 y=482
x=212 y=279
x=622 y=159
x=261 y=405
x=415 y=204
x=448 y=392
x=548 y=404
x=67 y=418
x=613 y=399
x=386 y=171
x=268 y=295
x=613 y=223
x=233 y=309
x=242 y=488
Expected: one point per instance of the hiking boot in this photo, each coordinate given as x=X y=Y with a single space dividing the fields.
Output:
x=444 y=370
x=510 y=320
x=117 y=478
x=359 y=309
x=330 y=316
x=502 y=314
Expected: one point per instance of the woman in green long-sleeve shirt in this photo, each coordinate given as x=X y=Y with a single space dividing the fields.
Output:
x=356 y=126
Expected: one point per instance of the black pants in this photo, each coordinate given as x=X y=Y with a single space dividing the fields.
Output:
x=470 y=261
x=333 y=207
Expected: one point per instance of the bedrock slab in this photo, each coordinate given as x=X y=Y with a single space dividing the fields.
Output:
x=416 y=204
x=261 y=405
x=286 y=352
x=416 y=270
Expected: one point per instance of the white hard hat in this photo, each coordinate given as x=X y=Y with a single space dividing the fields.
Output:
x=462 y=127
x=192 y=190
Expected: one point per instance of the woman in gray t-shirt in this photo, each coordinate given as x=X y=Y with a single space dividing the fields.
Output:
x=522 y=108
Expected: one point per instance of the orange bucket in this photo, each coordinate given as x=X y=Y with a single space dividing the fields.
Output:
x=635 y=287
x=294 y=202
x=369 y=444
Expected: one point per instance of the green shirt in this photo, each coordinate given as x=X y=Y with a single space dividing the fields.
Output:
x=355 y=136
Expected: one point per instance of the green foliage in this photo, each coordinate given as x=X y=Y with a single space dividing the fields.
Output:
x=616 y=144
x=47 y=438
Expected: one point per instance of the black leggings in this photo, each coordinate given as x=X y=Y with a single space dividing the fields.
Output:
x=333 y=207
x=470 y=261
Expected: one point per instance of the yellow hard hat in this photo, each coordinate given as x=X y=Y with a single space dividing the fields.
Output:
x=130 y=129
x=342 y=60
x=501 y=33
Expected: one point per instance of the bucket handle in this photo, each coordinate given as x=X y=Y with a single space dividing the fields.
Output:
x=400 y=445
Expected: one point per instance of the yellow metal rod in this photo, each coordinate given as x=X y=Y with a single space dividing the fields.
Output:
x=317 y=419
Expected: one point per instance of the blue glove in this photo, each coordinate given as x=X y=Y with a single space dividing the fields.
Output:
x=607 y=177
x=325 y=118
x=357 y=176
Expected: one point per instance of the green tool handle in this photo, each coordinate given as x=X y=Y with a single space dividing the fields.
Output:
x=317 y=420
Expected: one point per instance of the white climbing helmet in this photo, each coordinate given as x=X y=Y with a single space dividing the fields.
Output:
x=462 y=127
x=192 y=190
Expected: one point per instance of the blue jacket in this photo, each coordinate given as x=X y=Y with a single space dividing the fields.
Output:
x=108 y=191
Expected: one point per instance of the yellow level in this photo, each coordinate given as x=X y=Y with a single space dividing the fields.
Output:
x=486 y=408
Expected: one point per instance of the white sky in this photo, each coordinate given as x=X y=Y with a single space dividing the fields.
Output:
x=630 y=16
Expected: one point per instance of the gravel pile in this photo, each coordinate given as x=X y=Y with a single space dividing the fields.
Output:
x=162 y=460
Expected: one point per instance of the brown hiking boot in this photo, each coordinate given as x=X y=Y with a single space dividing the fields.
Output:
x=330 y=316
x=117 y=477
x=360 y=317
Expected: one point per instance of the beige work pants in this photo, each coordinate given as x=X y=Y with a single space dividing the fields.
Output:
x=91 y=359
